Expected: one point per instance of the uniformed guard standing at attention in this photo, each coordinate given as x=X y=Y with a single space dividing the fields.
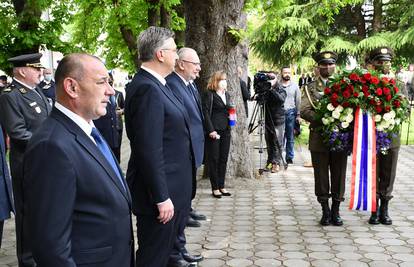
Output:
x=329 y=167
x=48 y=85
x=23 y=108
x=379 y=59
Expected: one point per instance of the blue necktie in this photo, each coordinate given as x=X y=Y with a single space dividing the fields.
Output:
x=104 y=148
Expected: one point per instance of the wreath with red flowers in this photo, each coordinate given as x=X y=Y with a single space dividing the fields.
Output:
x=373 y=93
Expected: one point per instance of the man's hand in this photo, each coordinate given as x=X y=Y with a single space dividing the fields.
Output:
x=166 y=210
x=213 y=135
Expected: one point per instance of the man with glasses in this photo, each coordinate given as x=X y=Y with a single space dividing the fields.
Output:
x=160 y=168
x=23 y=108
x=186 y=70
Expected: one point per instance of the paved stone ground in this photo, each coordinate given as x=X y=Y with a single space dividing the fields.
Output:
x=273 y=221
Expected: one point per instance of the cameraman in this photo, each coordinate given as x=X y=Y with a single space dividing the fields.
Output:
x=275 y=123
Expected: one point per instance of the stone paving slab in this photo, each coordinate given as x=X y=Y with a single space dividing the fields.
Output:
x=273 y=221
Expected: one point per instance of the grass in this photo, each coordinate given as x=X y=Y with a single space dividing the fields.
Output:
x=407 y=128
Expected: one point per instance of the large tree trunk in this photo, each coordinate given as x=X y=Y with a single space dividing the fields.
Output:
x=208 y=31
x=153 y=12
x=377 y=17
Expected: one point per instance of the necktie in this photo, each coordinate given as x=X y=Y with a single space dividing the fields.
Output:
x=104 y=148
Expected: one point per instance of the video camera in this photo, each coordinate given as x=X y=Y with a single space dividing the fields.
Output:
x=261 y=82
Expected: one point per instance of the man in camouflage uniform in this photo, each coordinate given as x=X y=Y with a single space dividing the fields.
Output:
x=23 y=108
x=329 y=167
x=379 y=59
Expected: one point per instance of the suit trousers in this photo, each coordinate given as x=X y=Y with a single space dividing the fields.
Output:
x=1 y=231
x=274 y=142
x=155 y=240
x=217 y=153
x=386 y=171
x=180 y=240
x=24 y=253
x=329 y=166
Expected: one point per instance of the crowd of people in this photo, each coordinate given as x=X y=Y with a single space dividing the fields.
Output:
x=79 y=210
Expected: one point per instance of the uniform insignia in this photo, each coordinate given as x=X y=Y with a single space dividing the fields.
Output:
x=384 y=51
x=327 y=55
x=46 y=87
x=22 y=90
x=38 y=110
x=8 y=89
x=33 y=104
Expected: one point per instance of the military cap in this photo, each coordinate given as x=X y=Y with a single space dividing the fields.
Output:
x=3 y=77
x=27 y=60
x=325 y=57
x=381 y=54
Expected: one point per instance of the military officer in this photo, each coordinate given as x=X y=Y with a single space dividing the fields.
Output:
x=329 y=167
x=379 y=59
x=23 y=108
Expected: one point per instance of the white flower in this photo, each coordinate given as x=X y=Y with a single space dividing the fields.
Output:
x=336 y=114
x=377 y=118
x=392 y=114
x=380 y=128
x=349 y=111
x=339 y=108
x=343 y=117
x=344 y=125
x=331 y=119
x=335 y=129
x=325 y=121
x=397 y=121
x=330 y=107
x=349 y=118
x=387 y=116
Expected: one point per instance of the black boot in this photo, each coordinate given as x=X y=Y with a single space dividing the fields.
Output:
x=326 y=213
x=335 y=217
x=384 y=218
x=374 y=219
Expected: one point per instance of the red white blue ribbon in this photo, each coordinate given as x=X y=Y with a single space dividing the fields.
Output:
x=363 y=179
x=232 y=116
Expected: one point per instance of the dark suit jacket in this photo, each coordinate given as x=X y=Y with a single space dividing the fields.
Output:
x=77 y=210
x=215 y=112
x=48 y=89
x=157 y=126
x=6 y=196
x=108 y=126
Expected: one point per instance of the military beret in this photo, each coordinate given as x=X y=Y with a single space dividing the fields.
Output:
x=27 y=60
x=325 y=57
x=381 y=54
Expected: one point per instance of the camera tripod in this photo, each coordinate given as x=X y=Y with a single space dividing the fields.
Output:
x=259 y=113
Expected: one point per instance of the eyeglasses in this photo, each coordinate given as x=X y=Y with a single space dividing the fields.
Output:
x=170 y=49
x=194 y=63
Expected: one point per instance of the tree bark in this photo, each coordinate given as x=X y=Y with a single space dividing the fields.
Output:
x=165 y=17
x=359 y=21
x=208 y=24
x=153 y=12
x=377 y=17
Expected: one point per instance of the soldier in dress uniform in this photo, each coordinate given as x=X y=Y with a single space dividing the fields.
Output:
x=23 y=108
x=379 y=59
x=329 y=167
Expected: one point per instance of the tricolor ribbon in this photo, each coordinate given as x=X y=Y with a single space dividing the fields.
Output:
x=232 y=116
x=363 y=180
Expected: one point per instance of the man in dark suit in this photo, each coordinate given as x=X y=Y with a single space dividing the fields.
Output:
x=79 y=207
x=160 y=168
x=245 y=90
x=186 y=70
x=48 y=85
x=6 y=196
x=23 y=108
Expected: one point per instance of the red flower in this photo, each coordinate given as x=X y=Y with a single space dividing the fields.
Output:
x=374 y=80
x=365 y=88
x=345 y=104
x=354 y=77
x=350 y=87
x=378 y=92
x=387 y=108
x=334 y=97
x=386 y=91
x=367 y=76
x=346 y=94
x=356 y=94
x=378 y=109
x=372 y=102
x=392 y=81
x=397 y=103
x=337 y=87
x=385 y=80
x=335 y=104
x=388 y=97
x=327 y=91
x=396 y=89
x=378 y=103
x=366 y=93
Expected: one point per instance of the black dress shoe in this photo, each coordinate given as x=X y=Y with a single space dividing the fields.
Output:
x=192 y=223
x=197 y=216
x=289 y=161
x=179 y=263
x=216 y=195
x=192 y=258
x=227 y=194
